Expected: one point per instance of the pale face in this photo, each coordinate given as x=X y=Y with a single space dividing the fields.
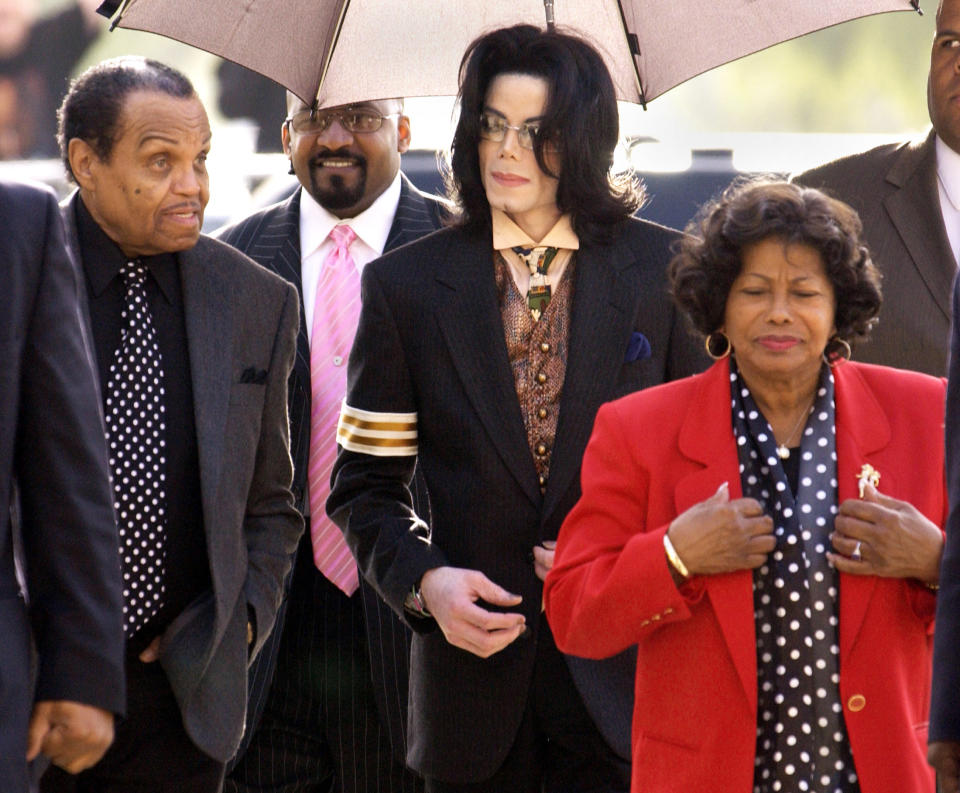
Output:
x=149 y=196
x=780 y=313
x=510 y=174
x=943 y=87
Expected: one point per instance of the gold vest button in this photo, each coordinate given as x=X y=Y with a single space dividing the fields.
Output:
x=857 y=703
x=544 y=346
x=541 y=378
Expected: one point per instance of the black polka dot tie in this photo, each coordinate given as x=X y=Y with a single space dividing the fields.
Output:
x=135 y=433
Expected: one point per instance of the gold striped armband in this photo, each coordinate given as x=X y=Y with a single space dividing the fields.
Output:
x=379 y=434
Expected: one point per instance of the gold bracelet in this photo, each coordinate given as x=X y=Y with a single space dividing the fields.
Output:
x=674 y=558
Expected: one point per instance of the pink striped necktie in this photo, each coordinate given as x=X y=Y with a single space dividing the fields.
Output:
x=336 y=311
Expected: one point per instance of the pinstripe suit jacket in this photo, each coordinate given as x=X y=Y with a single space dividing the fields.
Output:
x=271 y=237
x=431 y=342
x=894 y=189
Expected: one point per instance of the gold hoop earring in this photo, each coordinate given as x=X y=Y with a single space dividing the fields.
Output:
x=708 y=343
x=841 y=352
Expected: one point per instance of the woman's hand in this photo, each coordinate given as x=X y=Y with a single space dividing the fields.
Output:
x=719 y=535
x=895 y=539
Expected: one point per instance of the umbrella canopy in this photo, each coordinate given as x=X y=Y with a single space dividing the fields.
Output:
x=340 y=51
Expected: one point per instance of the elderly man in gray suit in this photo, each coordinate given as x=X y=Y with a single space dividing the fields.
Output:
x=194 y=343
x=908 y=197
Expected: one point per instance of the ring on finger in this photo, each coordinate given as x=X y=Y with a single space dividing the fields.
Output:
x=856 y=552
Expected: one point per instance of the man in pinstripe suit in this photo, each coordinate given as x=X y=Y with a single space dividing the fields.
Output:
x=329 y=694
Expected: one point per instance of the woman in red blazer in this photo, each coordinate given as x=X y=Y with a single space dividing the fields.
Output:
x=767 y=532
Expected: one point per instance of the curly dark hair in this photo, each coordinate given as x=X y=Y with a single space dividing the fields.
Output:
x=94 y=102
x=581 y=115
x=710 y=256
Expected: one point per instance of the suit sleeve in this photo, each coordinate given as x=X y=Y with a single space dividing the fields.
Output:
x=610 y=586
x=370 y=495
x=272 y=526
x=944 y=709
x=69 y=531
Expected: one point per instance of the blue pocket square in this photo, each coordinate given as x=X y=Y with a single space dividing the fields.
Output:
x=638 y=348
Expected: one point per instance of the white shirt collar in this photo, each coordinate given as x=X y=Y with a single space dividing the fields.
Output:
x=372 y=225
x=948 y=171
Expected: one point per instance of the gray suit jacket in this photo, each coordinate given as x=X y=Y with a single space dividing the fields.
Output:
x=894 y=188
x=238 y=316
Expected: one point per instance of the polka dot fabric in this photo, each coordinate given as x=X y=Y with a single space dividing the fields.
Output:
x=801 y=736
x=135 y=434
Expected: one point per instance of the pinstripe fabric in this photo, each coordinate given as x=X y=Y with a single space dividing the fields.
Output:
x=372 y=645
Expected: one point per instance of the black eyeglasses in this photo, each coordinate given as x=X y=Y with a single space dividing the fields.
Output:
x=494 y=128
x=353 y=120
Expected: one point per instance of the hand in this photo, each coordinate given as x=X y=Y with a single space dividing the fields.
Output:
x=73 y=735
x=450 y=595
x=944 y=756
x=719 y=535
x=543 y=558
x=896 y=540
x=152 y=651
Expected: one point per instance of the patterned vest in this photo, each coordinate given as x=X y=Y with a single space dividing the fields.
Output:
x=538 y=358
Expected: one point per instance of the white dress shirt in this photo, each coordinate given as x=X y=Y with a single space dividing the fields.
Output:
x=948 y=185
x=372 y=227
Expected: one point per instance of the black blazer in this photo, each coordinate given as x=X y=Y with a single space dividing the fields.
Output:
x=894 y=189
x=52 y=443
x=944 y=699
x=431 y=342
x=271 y=237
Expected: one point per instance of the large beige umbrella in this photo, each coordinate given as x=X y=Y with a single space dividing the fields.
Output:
x=338 y=51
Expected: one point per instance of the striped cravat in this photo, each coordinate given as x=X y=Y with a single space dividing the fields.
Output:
x=336 y=311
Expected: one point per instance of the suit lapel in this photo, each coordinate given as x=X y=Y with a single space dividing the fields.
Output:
x=601 y=320
x=208 y=311
x=413 y=218
x=862 y=430
x=278 y=249
x=707 y=438
x=911 y=209
x=469 y=318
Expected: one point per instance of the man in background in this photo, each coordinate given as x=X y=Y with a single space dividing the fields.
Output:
x=194 y=344
x=333 y=695
x=908 y=197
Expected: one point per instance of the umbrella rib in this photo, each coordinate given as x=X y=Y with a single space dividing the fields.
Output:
x=330 y=50
x=634 y=44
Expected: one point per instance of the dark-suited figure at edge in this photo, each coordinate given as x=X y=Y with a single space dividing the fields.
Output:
x=52 y=451
x=908 y=197
x=944 y=730
x=331 y=684
x=194 y=344
x=454 y=368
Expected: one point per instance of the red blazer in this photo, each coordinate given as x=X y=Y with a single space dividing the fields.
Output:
x=655 y=453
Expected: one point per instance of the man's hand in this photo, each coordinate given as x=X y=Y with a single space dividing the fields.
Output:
x=73 y=735
x=450 y=595
x=944 y=756
x=152 y=651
